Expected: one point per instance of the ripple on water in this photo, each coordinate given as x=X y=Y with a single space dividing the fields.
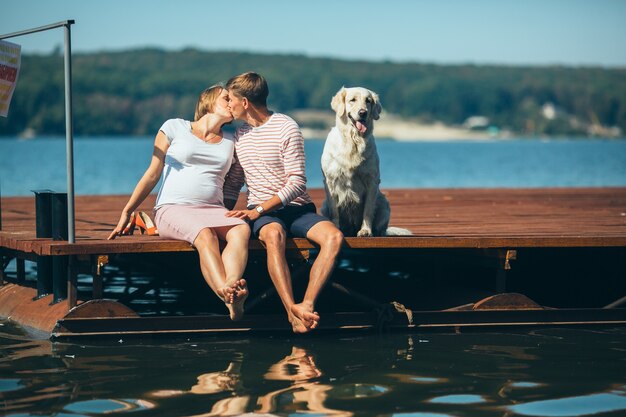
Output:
x=524 y=384
x=350 y=391
x=10 y=385
x=458 y=399
x=583 y=405
x=109 y=406
x=427 y=380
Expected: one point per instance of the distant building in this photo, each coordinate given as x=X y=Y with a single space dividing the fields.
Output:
x=548 y=111
x=476 y=123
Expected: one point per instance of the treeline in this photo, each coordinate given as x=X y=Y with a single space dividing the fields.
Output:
x=133 y=92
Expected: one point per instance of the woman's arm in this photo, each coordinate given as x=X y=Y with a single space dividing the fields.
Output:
x=146 y=184
x=233 y=183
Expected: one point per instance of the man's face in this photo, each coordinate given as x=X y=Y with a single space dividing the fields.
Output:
x=236 y=105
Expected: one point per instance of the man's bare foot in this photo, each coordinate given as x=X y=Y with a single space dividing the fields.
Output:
x=240 y=293
x=305 y=318
x=297 y=325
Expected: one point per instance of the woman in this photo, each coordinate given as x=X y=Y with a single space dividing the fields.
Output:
x=191 y=202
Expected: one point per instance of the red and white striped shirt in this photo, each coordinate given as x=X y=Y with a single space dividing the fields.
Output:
x=271 y=157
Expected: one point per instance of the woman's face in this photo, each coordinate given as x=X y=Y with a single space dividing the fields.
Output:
x=221 y=105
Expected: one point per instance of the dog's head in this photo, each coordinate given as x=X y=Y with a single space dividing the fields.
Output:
x=358 y=107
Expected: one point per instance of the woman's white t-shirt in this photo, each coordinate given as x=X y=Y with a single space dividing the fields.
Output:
x=195 y=170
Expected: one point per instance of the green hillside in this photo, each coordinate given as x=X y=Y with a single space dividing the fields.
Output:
x=133 y=92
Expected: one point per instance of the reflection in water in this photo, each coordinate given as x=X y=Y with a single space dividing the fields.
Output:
x=108 y=406
x=458 y=399
x=305 y=392
x=549 y=372
x=214 y=382
x=584 y=405
x=298 y=368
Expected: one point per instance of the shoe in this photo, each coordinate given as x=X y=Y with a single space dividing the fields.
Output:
x=130 y=227
x=145 y=224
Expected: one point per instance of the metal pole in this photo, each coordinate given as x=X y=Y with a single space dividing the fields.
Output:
x=69 y=133
x=37 y=29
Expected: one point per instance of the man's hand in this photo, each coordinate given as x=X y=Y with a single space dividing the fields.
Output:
x=250 y=215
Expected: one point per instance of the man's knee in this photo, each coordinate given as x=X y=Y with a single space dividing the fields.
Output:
x=273 y=235
x=333 y=240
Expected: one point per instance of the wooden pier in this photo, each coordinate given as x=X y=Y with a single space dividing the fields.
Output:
x=490 y=226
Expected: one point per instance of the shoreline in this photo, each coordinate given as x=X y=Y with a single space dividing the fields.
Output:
x=394 y=128
x=316 y=124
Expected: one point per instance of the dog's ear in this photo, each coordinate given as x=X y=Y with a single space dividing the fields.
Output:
x=338 y=103
x=377 y=108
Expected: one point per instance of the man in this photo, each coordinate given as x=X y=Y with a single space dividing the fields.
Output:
x=270 y=152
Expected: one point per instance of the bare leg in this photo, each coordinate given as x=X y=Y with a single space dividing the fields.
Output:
x=212 y=267
x=274 y=236
x=235 y=258
x=330 y=239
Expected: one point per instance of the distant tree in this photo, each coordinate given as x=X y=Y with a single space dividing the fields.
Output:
x=133 y=92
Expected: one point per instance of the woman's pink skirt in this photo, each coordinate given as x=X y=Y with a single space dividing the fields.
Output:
x=184 y=222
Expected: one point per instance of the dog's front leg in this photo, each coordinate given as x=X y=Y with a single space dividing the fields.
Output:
x=329 y=207
x=333 y=211
x=369 y=207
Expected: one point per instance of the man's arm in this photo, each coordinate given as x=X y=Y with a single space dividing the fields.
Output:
x=294 y=162
x=268 y=206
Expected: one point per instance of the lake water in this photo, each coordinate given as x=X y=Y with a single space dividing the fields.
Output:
x=114 y=165
x=539 y=372
x=544 y=372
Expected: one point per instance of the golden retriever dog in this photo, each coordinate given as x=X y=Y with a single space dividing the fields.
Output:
x=351 y=170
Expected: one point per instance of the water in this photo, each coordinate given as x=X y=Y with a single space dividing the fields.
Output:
x=114 y=165
x=545 y=372
x=541 y=372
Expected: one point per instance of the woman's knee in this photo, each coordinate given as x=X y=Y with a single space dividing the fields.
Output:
x=206 y=237
x=242 y=231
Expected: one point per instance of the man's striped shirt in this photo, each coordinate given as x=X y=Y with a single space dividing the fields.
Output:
x=272 y=158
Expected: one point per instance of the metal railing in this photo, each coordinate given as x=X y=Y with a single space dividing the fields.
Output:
x=69 y=134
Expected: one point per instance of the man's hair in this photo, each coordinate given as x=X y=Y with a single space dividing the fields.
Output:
x=206 y=101
x=251 y=86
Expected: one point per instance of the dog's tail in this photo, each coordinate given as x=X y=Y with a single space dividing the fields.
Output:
x=398 y=231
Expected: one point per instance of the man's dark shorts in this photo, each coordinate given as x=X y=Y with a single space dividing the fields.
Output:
x=296 y=220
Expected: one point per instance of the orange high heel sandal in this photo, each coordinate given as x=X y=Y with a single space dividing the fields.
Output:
x=145 y=224
x=130 y=226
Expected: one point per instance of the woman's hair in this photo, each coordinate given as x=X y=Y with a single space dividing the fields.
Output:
x=251 y=86
x=206 y=101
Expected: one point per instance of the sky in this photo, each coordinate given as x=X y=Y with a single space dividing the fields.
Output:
x=501 y=32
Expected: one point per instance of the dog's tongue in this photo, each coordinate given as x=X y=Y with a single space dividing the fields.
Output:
x=360 y=127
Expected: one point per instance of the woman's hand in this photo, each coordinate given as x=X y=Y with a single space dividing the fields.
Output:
x=124 y=219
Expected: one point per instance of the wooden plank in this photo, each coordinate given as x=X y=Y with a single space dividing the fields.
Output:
x=139 y=326
x=438 y=218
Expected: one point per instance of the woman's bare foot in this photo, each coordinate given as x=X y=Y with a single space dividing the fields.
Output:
x=240 y=293
x=226 y=294
x=305 y=318
x=240 y=290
